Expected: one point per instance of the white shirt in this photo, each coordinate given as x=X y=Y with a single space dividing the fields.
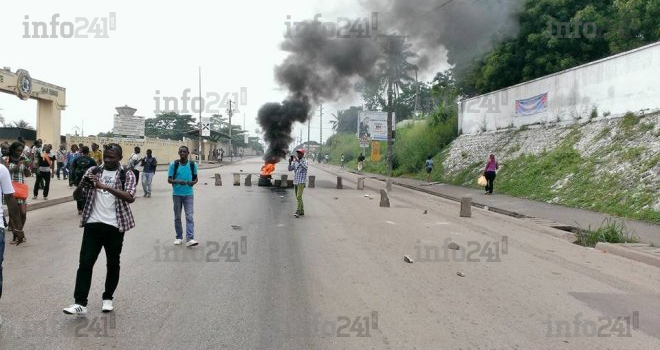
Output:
x=5 y=184
x=105 y=204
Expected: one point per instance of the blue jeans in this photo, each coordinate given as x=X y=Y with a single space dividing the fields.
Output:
x=146 y=182
x=187 y=203
x=2 y=255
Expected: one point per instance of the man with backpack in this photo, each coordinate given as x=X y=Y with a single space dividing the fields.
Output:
x=107 y=216
x=182 y=174
x=78 y=170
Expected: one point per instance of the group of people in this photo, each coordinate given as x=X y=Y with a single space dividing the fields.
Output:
x=106 y=188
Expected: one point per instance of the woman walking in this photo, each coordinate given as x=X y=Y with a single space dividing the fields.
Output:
x=489 y=173
x=18 y=167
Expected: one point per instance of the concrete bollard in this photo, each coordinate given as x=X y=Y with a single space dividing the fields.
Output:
x=340 y=185
x=218 y=180
x=237 y=179
x=277 y=183
x=284 y=181
x=312 y=181
x=289 y=183
x=466 y=207
x=388 y=185
x=360 y=185
x=248 y=180
x=384 y=199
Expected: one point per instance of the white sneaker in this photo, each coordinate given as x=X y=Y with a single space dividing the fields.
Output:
x=177 y=241
x=75 y=309
x=107 y=306
x=192 y=243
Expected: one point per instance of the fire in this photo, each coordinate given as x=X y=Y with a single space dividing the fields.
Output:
x=267 y=169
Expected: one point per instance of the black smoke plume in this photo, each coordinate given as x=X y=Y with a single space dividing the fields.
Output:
x=320 y=69
x=317 y=69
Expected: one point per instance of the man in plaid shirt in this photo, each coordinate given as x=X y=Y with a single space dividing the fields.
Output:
x=299 y=167
x=106 y=217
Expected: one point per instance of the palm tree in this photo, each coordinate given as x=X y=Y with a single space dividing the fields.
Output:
x=22 y=124
x=395 y=71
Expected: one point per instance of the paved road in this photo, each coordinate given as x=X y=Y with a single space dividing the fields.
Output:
x=339 y=269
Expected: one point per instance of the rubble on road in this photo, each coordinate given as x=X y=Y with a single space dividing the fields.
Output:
x=408 y=259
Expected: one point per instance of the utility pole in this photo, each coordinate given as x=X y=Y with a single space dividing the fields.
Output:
x=309 y=124
x=231 y=150
x=321 y=126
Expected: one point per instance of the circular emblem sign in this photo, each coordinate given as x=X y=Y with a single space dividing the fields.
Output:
x=24 y=84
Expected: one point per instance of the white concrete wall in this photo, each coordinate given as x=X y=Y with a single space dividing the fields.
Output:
x=627 y=82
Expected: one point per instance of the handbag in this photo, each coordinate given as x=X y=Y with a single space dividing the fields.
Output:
x=482 y=181
x=20 y=190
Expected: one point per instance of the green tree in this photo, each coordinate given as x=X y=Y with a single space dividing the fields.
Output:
x=553 y=37
x=169 y=125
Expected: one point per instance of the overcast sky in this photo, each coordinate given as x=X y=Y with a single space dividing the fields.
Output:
x=158 y=46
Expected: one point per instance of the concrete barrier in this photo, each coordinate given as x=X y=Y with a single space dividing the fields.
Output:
x=384 y=199
x=388 y=185
x=248 y=180
x=360 y=184
x=237 y=179
x=466 y=207
x=284 y=182
x=312 y=181
x=218 y=180
x=340 y=185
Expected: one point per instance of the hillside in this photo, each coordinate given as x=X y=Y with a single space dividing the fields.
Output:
x=606 y=165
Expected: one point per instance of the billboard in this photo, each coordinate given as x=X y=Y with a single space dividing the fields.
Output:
x=372 y=125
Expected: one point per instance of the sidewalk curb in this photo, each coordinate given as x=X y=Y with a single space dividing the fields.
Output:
x=623 y=251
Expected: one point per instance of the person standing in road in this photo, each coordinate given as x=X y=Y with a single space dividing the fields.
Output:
x=45 y=171
x=107 y=216
x=78 y=170
x=70 y=157
x=182 y=174
x=489 y=173
x=149 y=170
x=17 y=164
x=60 y=158
x=428 y=166
x=133 y=163
x=299 y=167
x=341 y=160
x=7 y=191
x=360 y=163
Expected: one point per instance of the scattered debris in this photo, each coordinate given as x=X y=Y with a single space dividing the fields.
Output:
x=206 y=183
x=366 y=195
x=426 y=211
x=408 y=259
x=281 y=196
x=336 y=198
x=460 y=274
x=453 y=246
x=236 y=227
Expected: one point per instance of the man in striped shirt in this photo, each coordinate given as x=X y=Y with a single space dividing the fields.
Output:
x=299 y=167
x=106 y=218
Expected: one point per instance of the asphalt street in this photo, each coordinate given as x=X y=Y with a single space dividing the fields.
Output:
x=334 y=279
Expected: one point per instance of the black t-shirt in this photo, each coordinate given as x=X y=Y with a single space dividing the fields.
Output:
x=43 y=163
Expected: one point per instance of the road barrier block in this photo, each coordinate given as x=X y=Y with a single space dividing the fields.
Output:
x=384 y=199
x=466 y=207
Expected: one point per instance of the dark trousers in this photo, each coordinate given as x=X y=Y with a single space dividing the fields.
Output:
x=63 y=169
x=137 y=176
x=45 y=177
x=490 y=177
x=95 y=237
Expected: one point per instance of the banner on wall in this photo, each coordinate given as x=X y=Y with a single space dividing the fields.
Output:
x=534 y=105
x=372 y=125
